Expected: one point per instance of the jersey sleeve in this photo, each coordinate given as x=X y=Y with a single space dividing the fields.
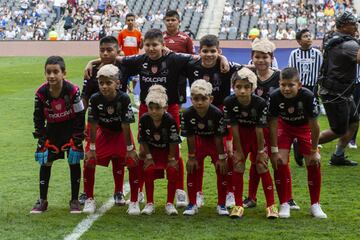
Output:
x=273 y=107
x=186 y=130
x=181 y=61
x=351 y=49
x=79 y=121
x=291 y=62
x=127 y=113
x=132 y=64
x=190 y=46
x=93 y=115
x=120 y=39
x=89 y=85
x=39 y=118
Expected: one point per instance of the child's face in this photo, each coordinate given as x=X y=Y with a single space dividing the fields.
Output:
x=209 y=55
x=153 y=48
x=156 y=112
x=262 y=61
x=108 y=86
x=305 y=41
x=130 y=21
x=289 y=87
x=108 y=52
x=172 y=24
x=201 y=103
x=54 y=75
x=242 y=89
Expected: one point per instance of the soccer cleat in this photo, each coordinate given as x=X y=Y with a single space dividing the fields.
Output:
x=82 y=198
x=191 y=210
x=170 y=209
x=293 y=205
x=181 y=198
x=119 y=199
x=40 y=206
x=299 y=159
x=148 y=209
x=141 y=197
x=352 y=144
x=316 y=211
x=272 y=212
x=133 y=209
x=341 y=160
x=74 y=206
x=249 y=203
x=200 y=199
x=230 y=200
x=222 y=210
x=284 y=210
x=89 y=206
x=237 y=212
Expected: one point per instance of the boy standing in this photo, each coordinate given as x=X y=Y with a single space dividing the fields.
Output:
x=130 y=39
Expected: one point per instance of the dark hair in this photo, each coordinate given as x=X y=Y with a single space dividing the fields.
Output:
x=172 y=13
x=56 y=60
x=300 y=33
x=153 y=34
x=109 y=39
x=130 y=15
x=209 y=41
x=289 y=73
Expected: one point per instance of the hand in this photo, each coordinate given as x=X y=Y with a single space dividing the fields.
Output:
x=148 y=162
x=88 y=71
x=315 y=159
x=173 y=163
x=238 y=161
x=90 y=159
x=166 y=51
x=229 y=149
x=275 y=159
x=132 y=158
x=224 y=65
x=192 y=165
x=262 y=158
x=221 y=164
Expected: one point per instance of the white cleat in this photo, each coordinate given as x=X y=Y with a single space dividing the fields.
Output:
x=200 y=199
x=316 y=211
x=133 y=209
x=222 y=210
x=181 y=198
x=284 y=211
x=89 y=206
x=170 y=209
x=190 y=210
x=230 y=200
x=148 y=209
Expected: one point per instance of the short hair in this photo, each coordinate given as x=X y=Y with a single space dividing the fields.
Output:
x=172 y=13
x=157 y=95
x=209 y=40
x=56 y=60
x=130 y=15
x=245 y=74
x=154 y=34
x=289 y=73
x=109 y=39
x=300 y=33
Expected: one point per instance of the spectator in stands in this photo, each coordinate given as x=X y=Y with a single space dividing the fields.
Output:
x=67 y=35
x=69 y=20
x=189 y=32
x=2 y=33
x=291 y=34
x=101 y=6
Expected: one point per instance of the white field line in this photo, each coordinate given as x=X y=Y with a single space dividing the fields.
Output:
x=85 y=224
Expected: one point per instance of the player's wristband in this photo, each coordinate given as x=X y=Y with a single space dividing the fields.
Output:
x=130 y=148
x=171 y=159
x=148 y=156
x=274 y=149
x=92 y=147
x=222 y=156
x=262 y=151
x=191 y=154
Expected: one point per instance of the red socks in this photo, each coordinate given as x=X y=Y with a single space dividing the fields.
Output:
x=314 y=183
x=118 y=174
x=268 y=188
x=89 y=181
x=254 y=179
x=281 y=181
x=238 y=182
x=221 y=187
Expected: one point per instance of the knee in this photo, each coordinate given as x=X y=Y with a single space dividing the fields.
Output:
x=171 y=174
x=261 y=167
x=239 y=167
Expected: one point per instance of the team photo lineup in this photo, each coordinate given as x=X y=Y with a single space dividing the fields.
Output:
x=156 y=108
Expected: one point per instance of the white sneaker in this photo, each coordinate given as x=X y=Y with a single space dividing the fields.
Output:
x=148 y=209
x=352 y=145
x=133 y=209
x=181 y=198
x=89 y=206
x=230 y=200
x=284 y=211
x=170 y=209
x=200 y=199
x=316 y=211
x=141 y=197
x=190 y=210
x=222 y=210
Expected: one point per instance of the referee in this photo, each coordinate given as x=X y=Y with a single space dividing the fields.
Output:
x=307 y=60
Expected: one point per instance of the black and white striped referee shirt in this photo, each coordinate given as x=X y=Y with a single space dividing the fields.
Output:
x=308 y=63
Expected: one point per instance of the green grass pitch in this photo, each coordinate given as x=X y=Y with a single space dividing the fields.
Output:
x=20 y=76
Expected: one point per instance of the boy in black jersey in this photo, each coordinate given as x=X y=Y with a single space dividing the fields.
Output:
x=203 y=125
x=110 y=115
x=159 y=138
x=293 y=114
x=247 y=114
x=108 y=51
x=59 y=126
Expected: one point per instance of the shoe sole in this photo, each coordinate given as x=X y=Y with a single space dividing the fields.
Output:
x=172 y=214
x=75 y=211
x=181 y=205
x=121 y=204
x=134 y=214
x=235 y=216
x=36 y=212
x=284 y=217
x=295 y=208
x=88 y=212
x=272 y=217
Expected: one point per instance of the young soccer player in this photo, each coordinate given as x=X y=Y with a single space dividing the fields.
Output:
x=130 y=39
x=267 y=81
x=293 y=111
x=108 y=51
x=203 y=126
x=59 y=126
x=110 y=110
x=159 y=138
x=247 y=114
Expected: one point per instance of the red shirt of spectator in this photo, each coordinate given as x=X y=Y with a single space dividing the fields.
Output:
x=130 y=41
x=179 y=42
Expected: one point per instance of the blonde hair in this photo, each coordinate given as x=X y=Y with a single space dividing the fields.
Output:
x=157 y=94
x=201 y=87
x=245 y=74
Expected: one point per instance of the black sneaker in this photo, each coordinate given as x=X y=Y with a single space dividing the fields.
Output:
x=249 y=203
x=119 y=199
x=299 y=159
x=82 y=198
x=40 y=206
x=74 y=206
x=341 y=160
x=293 y=205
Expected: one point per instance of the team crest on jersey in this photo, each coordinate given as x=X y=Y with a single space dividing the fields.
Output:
x=157 y=136
x=110 y=110
x=154 y=69
x=201 y=125
x=259 y=92
x=244 y=114
x=58 y=106
x=206 y=78
x=291 y=110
